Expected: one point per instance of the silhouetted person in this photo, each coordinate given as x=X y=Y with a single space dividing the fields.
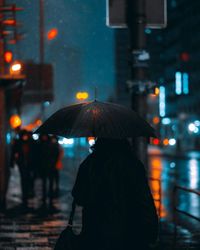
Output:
x=21 y=156
x=32 y=163
x=118 y=209
x=48 y=155
x=56 y=155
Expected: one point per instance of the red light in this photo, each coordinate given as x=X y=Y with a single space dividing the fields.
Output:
x=156 y=141
x=8 y=56
x=10 y=22
x=52 y=34
x=156 y=120
x=185 y=57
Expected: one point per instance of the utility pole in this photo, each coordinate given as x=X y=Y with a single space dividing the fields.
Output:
x=41 y=31
x=136 y=21
x=2 y=120
x=138 y=15
x=2 y=66
x=42 y=53
x=7 y=80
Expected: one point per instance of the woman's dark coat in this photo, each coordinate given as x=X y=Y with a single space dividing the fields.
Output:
x=118 y=208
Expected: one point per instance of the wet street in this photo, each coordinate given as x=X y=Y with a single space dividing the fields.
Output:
x=39 y=227
x=182 y=171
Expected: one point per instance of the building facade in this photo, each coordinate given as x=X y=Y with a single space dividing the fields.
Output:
x=175 y=58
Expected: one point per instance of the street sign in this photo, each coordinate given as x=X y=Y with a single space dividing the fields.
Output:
x=156 y=14
x=39 y=83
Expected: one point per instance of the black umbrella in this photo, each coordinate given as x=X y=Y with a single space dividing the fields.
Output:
x=96 y=119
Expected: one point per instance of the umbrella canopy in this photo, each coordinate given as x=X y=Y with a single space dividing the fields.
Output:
x=96 y=119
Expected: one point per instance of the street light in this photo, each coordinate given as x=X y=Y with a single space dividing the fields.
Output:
x=16 y=68
x=81 y=96
x=8 y=56
x=52 y=34
x=15 y=121
x=157 y=91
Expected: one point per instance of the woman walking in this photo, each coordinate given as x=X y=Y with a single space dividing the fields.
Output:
x=118 y=209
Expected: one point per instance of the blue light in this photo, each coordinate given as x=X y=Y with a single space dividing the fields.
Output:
x=46 y=104
x=83 y=142
x=178 y=78
x=8 y=138
x=197 y=123
x=185 y=83
x=162 y=101
x=166 y=121
x=148 y=31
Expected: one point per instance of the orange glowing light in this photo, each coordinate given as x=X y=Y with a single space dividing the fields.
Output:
x=156 y=185
x=52 y=34
x=156 y=164
x=33 y=125
x=15 y=121
x=166 y=142
x=156 y=120
x=82 y=96
x=157 y=91
x=9 y=22
x=38 y=122
x=91 y=138
x=8 y=56
x=16 y=68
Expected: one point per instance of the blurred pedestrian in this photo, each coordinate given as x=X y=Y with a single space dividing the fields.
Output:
x=20 y=155
x=56 y=165
x=32 y=163
x=48 y=155
x=118 y=208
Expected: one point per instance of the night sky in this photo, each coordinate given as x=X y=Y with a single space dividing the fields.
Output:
x=83 y=52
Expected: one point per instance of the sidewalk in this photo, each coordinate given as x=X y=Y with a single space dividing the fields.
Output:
x=38 y=228
x=183 y=240
x=39 y=232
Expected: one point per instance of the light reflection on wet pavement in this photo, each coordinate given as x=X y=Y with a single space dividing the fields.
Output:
x=185 y=172
x=38 y=228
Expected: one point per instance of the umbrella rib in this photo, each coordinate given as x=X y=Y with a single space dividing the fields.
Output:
x=112 y=122
x=96 y=119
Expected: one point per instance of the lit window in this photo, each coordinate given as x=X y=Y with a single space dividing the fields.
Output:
x=178 y=82
x=185 y=83
x=162 y=101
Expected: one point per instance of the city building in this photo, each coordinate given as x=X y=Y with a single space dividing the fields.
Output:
x=175 y=67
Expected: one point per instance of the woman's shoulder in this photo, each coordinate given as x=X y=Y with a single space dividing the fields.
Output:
x=86 y=162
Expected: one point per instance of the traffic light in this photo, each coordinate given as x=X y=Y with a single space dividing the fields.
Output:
x=8 y=56
x=52 y=34
x=39 y=83
x=185 y=56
